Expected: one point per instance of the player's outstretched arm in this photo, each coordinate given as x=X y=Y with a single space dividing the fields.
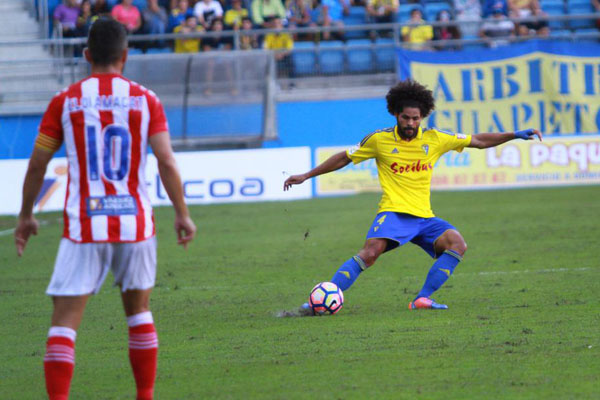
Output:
x=485 y=140
x=169 y=175
x=333 y=163
x=27 y=225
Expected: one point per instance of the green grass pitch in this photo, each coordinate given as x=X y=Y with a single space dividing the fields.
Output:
x=523 y=323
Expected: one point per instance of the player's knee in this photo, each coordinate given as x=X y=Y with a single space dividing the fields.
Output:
x=459 y=246
x=369 y=255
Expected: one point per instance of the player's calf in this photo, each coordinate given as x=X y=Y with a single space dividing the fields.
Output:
x=143 y=349
x=59 y=362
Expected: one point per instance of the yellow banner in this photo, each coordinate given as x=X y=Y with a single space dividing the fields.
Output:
x=512 y=90
x=555 y=161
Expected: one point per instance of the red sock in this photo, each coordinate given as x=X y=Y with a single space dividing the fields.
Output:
x=143 y=349
x=58 y=366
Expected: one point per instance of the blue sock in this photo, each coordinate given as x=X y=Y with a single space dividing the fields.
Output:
x=440 y=272
x=348 y=272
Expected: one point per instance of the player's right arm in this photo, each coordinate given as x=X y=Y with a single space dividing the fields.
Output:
x=367 y=148
x=169 y=175
x=48 y=141
x=27 y=225
x=333 y=163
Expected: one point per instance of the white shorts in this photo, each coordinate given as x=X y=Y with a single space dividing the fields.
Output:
x=81 y=268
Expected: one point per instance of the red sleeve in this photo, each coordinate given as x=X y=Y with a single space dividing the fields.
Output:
x=51 y=124
x=158 y=120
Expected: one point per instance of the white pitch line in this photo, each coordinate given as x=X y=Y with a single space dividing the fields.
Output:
x=529 y=271
x=525 y=271
x=43 y=222
x=7 y=232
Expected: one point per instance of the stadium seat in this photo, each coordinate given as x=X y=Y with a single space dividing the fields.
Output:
x=560 y=32
x=432 y=9
x=133 y=51
x=385 y=57
x=404 y=11
x=304 y=62
x=141 y=4
x=554 y=7
x=156 y=50
x=357 y=16
x=474 y=46
x=331 y=57
x=359 y=59
x=577 y=3
x=579 y=8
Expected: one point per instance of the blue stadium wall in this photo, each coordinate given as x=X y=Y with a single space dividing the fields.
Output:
x=311 y=123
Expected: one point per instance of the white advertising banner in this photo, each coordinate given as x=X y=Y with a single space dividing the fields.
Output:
x=208 y=177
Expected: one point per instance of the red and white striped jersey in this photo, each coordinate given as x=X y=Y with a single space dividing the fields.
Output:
x=105 y=121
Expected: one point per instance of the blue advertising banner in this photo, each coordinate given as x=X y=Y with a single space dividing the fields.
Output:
x=550 y=85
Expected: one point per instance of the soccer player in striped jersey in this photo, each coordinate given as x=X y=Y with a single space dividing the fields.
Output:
x=106 y=123
x=406 y=155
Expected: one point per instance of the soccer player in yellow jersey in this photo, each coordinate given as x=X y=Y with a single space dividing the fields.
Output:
x=406 y=155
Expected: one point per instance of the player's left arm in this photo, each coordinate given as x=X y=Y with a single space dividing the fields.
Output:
x=27 y=225
x=171 y=179
x=485 y=140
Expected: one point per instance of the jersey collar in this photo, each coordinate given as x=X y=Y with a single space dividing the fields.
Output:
x=398 y=138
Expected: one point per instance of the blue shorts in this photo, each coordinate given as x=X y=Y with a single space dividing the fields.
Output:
x=401 y=228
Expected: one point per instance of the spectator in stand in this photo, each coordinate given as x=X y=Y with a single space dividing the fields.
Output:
x=448 y=32
x=189 y=25
x=468 y=13
x=382 y=11
x=331 y=13
x=100 y=7
x=65 y=15
x=263 y=11
x=217 y=43
x=417 y=33
x=282 y=44
x=248 y=41
x=529 y=8
x=179 y=14
x=155 y=18
x=298 y=14
x=128 y=15
x=497 y=28
x=85 y=19
x=492 y=6
x=233 y=16
x=206 y=11
x=596 y=5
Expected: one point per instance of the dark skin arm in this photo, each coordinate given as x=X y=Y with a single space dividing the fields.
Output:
x=27 y=225
x=333 y=163
x=485 y=140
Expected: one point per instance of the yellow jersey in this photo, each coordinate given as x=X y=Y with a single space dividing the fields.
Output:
x=418 y=34
x=278 y=41
x=405 y=167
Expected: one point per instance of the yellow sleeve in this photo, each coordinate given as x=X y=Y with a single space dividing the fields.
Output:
x=366 y=149
x=230 y=16
x=452 y=141
x=268 y=43
x=289 y=42
x=429 y=32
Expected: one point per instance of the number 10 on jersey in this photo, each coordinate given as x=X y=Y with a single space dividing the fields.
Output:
x=114 y=153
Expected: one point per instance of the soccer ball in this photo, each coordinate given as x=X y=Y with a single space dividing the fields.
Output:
x=326 y=298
